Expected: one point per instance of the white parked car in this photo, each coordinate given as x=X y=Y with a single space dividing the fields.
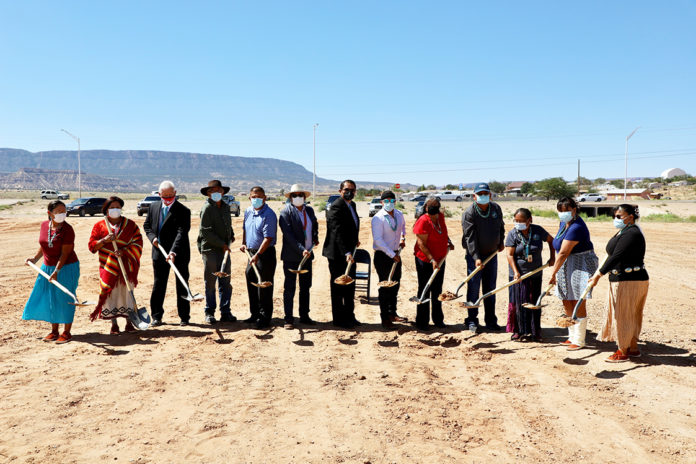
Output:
x=452 y=195
x=374 y=206
x=54 y=195
x=592 y=197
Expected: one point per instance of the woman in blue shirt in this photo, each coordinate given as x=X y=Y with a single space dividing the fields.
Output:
x=524 y=244
x=576 y=262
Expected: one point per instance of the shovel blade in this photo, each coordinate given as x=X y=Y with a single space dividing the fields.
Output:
x=221 y=274
x=348 y=281
x=84 y=303
x=196 y=297
x=470 y=305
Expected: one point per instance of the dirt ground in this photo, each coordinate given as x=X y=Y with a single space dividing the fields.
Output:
x=234 y=394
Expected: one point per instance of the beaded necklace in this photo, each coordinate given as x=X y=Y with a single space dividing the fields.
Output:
x=480 y=211
x=393 y=227
x=437 y=227
x=51 y=237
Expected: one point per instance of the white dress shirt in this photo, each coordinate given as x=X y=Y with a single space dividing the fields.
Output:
x=385 y=237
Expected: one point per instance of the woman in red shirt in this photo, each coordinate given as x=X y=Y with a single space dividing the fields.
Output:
x=432 y=245
x=47 y=302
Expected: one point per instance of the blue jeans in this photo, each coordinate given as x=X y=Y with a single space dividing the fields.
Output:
x=485 y=280
x=212 y=261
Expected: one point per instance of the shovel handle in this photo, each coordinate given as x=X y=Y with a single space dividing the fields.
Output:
x=513 y=282
x=476 y=271
x=350 y=263
x=120 y=263
x=391 y=273
x=224 y=260
x=176 y=271
x=432 y=277
x=544 y=293
x=584 y=293
x=304 y=258
x=54 y=282
x=258 y=276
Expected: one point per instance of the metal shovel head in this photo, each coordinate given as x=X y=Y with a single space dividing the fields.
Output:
x=262 y=284
x=532 y=306
x=220 y=274
x=448 y=296
x=84 y=303
x=344 y=280
x=387 y=283
x=299 y=271
x=416 y=299
x=470 y=305
x=140 y=318
x=196 y=297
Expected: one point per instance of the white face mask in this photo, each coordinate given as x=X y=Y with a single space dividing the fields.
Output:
x=114 y=213
x=60 y=217
x=298 y=201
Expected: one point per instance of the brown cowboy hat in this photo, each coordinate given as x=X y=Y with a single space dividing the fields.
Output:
x=214 y=183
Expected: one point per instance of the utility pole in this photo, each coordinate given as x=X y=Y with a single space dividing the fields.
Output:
x=314 y=170
x=79 y=167
x=578 y=177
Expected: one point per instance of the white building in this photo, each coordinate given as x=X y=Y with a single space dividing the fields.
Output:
x=673 y=172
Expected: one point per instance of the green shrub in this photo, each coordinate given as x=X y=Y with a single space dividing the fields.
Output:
x=320 y=206
x=667 y=217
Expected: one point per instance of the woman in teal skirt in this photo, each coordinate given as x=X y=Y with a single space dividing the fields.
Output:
x=47 y=302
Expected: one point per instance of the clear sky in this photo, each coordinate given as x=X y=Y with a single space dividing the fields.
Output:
x=421 y=92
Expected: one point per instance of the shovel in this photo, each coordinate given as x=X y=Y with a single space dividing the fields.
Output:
x=258 y=276
x=565 y=321
x=420 y=300
x=299 y=269
x=345 y=279
x=139 y=317
x=503 y=287
x=449 y=296
x=538 y=305
x=389 y=282
x=197 y=296
x=75 y=302
x=222 y=272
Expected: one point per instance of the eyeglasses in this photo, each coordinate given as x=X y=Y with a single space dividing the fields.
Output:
x=618 y=217
x=295 y=195
x=389 y=201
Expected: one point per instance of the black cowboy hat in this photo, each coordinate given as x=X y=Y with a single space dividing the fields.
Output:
x=214 y=183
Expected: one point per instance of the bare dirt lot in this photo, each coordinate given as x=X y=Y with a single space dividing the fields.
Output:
x=197 y=394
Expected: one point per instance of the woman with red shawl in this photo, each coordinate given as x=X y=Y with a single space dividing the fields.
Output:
x=114 y=298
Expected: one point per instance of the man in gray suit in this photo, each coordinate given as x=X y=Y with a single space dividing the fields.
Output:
x=300 y=234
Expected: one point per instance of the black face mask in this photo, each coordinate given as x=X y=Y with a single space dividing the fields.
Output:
x=432 y=210
x=348 y=195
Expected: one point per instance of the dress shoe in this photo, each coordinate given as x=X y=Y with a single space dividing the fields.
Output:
x=261 y=324
x=472 y=327
x=156 y=323
x=228 y=318
x=440 y=325
x=387 y=324
x=184 y=323
x=493 y=328
x=288 y=326
x=210 y=320
x=355 y=323
x=307 y=321
x=396 y=318
x=251 y=320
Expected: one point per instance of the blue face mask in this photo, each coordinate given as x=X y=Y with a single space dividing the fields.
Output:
x=217 y=196
x=619 y=224
x=521 y=225
x=256 y=203
x=565 y=216
x=483 y=199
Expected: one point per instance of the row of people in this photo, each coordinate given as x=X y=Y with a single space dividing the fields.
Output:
x=168 y=223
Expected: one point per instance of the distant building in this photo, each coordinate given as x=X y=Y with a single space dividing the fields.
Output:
x=618 y=194
x=514 y=189
x=673 y=172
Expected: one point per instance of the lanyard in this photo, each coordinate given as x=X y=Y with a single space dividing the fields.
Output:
x=393 y=227
x=527 y=242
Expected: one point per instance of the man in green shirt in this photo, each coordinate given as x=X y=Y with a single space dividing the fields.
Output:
x=214 y=239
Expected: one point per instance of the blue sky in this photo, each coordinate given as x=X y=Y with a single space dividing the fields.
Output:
x=421 y=92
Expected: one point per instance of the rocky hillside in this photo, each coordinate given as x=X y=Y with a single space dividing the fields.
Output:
x=142 y=170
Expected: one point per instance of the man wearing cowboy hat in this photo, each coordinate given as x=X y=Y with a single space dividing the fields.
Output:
x=300 y=234
x=214 y=238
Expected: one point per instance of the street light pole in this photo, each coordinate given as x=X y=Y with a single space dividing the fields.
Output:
x=314 y=171
x=626 y=161
x=79 y=167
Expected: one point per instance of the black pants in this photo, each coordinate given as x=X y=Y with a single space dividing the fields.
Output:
x=159 y=289
x=291 y=284
x=261 y=299
x=423 y=311
x=387 y=295
x=342 y=296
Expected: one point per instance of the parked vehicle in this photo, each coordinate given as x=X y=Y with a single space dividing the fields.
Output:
x=54 y=195
x=234 y=204
x=331 y=199
x=420 y=209
x=144 y=204
x=420 y=197
x=84 y=206
x=592 y=197
x=374 y=206
x=452 y=195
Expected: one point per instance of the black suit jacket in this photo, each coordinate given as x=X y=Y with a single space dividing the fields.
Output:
x=174 y=233
x=290 y=222
x=341 y=232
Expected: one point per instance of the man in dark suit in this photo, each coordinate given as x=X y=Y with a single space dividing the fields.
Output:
x=167 y=224
x=300 y=234
x=342 y=227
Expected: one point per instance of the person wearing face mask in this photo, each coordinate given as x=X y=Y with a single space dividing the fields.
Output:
x=342 y=228
x=524 y=244
x=46 y=302
x=628 y=284
x=575 y=262
x=388 y=237
x=215 y=235
x=114 y=298
x=167 y=224
x=300 y=234
x=432 y=245
x=260 y=232
x=484 y=233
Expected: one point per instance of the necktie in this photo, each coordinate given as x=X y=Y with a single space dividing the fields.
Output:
x=165 y=210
